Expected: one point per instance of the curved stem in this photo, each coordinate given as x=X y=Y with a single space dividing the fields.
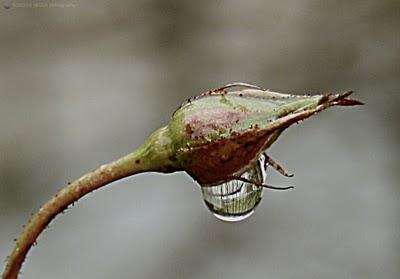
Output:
x=149 y=157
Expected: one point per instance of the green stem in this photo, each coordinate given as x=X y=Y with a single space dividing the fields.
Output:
x=151 y=156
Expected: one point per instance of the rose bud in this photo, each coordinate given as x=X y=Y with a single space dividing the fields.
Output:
x=220 y=137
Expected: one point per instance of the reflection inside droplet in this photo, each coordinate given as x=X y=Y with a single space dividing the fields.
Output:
x=234 y=200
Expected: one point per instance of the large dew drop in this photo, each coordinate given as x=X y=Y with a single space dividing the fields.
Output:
x=234 y=200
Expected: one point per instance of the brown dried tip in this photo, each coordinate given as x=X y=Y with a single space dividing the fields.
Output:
x=342 y=100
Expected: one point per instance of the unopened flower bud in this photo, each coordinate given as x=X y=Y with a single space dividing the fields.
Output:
x=219 y=137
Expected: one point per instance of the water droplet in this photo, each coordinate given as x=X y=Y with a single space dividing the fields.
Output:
x=234 y=200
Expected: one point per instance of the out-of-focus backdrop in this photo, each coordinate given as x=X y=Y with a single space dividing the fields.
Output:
x=84 y=83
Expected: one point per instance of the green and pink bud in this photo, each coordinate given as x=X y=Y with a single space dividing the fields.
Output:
x=220 y=137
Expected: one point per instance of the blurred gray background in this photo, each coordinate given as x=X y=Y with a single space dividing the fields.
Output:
x=88 y=82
